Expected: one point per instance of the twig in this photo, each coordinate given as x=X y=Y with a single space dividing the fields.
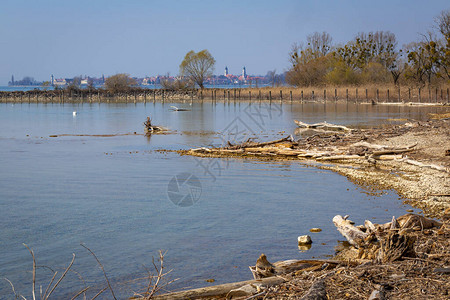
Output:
x=159 y=272
x=101 y=266
x=61 y=278
x=50 y=284
x=80 y=292
x=13 y=289
x=99 y=293
x=34 y=271
x=256 y=295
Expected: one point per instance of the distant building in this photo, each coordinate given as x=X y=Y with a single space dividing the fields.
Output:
x=244 y=73
x=59 y=82
x=12 y=79
x=226 y=72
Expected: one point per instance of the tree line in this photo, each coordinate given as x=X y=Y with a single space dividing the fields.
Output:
x=373 y=57
x=369 y=58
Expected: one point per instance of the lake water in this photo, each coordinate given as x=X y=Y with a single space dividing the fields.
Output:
x=111 y=192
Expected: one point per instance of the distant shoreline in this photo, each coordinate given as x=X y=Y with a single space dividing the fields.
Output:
x=363 y=94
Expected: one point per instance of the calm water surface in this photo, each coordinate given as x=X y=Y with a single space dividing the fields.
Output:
x=110 y=192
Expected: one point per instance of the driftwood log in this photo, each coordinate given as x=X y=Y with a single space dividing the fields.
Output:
x=227 y=290
x=264 y=268
x=149 y=128
x=353 y=235
x=322 y=126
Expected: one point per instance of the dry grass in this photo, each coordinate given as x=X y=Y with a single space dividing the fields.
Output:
x=384 y=93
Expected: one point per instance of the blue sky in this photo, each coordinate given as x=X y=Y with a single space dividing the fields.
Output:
x=95 y=37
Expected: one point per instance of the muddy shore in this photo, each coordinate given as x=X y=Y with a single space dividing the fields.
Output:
x=420 y=175
x=414 y=160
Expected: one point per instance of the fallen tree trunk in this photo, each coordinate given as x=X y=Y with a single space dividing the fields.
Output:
x=353 y=235
x=338 y=157
x=395 y=150
x=264 y=268
x=422 y=165
x=322 y=125
x=221 y=290
x=249 y=144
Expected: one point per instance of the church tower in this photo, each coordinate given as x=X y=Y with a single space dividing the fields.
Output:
x=244 y=73
x=226 y=71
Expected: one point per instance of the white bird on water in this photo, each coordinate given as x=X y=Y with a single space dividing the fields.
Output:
x=74 y=113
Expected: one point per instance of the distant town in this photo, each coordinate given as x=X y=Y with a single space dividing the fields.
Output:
x=271 y=78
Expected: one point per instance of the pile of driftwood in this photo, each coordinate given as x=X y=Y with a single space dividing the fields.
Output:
x=382 y=260
x=346 y=145
x=383 y=242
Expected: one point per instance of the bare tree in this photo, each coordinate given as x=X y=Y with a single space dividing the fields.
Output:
x=319 y=43
x=197 y=66
x=443 y=23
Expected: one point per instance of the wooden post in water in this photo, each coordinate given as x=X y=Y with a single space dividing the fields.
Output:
x=224 y=95
x=429 y=94
x=290 y=95
x=325 y=94
x=270 y=96
x=399 y=96
x=302 y=95
x=367 y=96
x=435 y=95
x=387 y=95
x=356 y=95
x=228 y=96
x=234 y=94
x=335 y=94
x=312 y=95
x=442 y=99
x=409 y=94
x=448 y=95
x=346 y=94
x=378 y=95
x=281 y=95
x=250 y=95
x=259 y=96
x=239 y=94
x=420 y=95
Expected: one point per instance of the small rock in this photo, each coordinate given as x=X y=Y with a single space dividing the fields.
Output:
x=304 y=239
x=210 y=280
x=315 y=230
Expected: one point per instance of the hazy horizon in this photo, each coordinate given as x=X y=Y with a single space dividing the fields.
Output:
x=143 y=38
